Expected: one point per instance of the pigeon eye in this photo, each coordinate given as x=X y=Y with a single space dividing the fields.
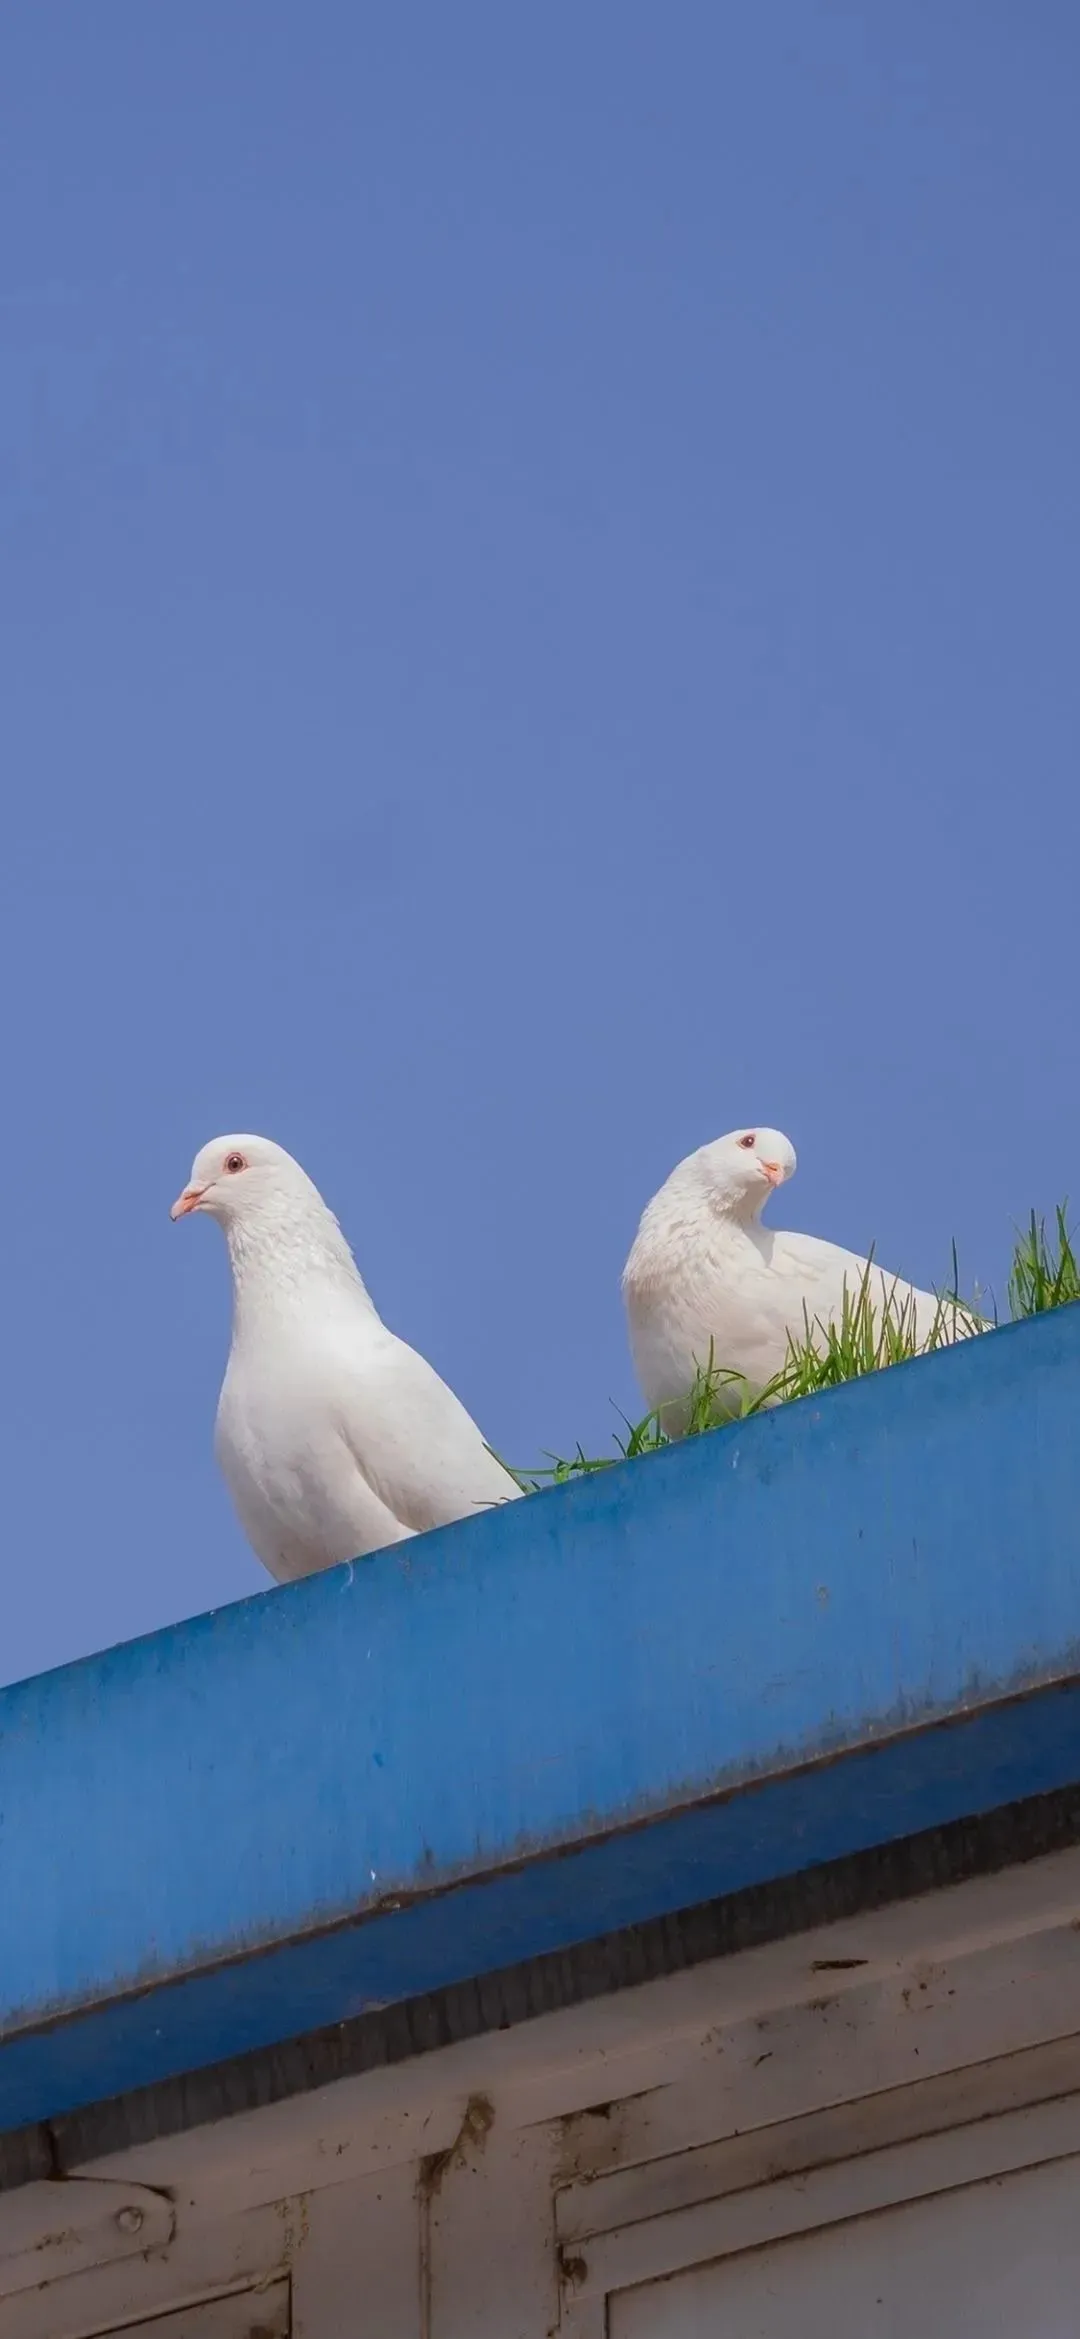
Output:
x=234 y=1162
x=748 y=1142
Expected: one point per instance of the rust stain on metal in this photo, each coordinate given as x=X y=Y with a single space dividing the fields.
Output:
x=296 y=2222
x=477 y=2122
x=589 y=2140
x=478 y=2119
x=575 y=2270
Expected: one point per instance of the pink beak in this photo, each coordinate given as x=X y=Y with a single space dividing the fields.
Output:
x=774 y=1171
x=188 y=1200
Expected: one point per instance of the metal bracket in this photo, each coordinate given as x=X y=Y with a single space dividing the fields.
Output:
x=67 y=2225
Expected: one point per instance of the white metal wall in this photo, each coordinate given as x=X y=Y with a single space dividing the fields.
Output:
x=874 y=2128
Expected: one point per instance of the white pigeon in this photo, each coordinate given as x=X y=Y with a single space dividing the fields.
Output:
x=334 y=1438
x=706 y=1285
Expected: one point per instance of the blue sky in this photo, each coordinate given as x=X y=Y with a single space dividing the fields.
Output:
x=538 y=578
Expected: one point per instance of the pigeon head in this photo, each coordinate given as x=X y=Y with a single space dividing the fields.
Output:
x=234 y=1179
x=742 y=1168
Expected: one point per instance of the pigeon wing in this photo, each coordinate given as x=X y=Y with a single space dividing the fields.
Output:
x=418 y=1448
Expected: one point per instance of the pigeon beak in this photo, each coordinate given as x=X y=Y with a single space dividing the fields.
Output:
x=188 y=1200
x=774 y=1171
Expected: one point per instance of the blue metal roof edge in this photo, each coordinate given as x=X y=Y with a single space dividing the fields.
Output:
x=587 y=1710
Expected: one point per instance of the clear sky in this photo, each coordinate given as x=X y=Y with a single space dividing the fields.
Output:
x=539 y=623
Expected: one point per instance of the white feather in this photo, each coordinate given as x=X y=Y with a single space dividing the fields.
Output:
x=335 y=1438
x=706 y=1282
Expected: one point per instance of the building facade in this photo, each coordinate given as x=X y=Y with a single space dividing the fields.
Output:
x=653 y=1911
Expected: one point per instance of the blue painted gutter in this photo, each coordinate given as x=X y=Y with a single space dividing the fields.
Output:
x=715 y=1667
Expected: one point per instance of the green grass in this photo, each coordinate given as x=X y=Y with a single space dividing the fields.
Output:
x=872 y=1334
x=1044 y=1272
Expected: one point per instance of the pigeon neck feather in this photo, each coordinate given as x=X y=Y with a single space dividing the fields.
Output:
x=695 y=1184
x=283 y=1249
x=687 y=1230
